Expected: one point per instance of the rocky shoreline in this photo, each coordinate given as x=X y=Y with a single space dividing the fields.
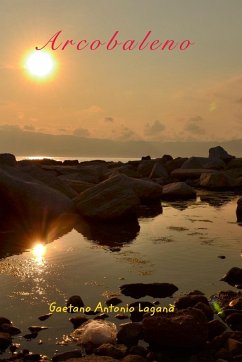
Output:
x=195 y=328
x=46 y=198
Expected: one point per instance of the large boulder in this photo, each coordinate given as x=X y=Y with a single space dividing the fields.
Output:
x=174 y=164
x=158 y=171
x=191 y=173
x=217 y=180
x=93 y=173
x=116 y=198
x=109 y=200
x=215 y=164
x=7 y=159
x=28 y=203
x=195 y=162
x=178 y=190
x=239 y=210
x=219 y=152
x=49 y=179
x=187 y=329
x=145 y=167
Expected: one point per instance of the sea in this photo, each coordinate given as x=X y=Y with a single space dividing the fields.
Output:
x=191 y=244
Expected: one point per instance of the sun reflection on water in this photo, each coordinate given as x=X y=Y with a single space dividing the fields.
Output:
x=39 y=251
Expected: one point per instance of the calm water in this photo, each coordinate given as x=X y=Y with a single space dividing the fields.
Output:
x=179 y=246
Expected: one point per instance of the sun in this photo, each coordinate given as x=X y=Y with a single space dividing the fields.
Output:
x=40 y=64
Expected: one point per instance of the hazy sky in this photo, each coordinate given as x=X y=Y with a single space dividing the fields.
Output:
x=195 y=94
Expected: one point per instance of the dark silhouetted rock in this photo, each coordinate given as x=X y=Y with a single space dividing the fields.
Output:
x=45 y=316
x=75 y=301
x=190 y=300
x=219 y=152
x=233 y=277
x=5 y=340
x=7 y=159
x=178 y=190
x=116 y=351
x=130 y=333
x=77 y=321
x=158 y=170
x=217 y=180
x=187 y=329
x=67 y=355
x=113 y=301
x=215 y=328
x=234 y=321
x=194 y=163
x=155 y=290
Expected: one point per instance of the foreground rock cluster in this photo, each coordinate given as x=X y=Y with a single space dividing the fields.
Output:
x=36 y=193
x=195 y=329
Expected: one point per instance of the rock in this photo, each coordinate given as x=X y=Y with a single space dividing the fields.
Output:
x=190 y=301
x=48 y=179
x=8 y=328
x=175 y=164
x=219 y=152
x=4 y=320
x=113 y=301
x=45 y=316
x=234 y=321
x=158 y=170
x=116 y=351
x=234 y=346
x=94 y=358
x=30 y=204
x=70 y=162
x=130 y=333
x=195 y=163
x=111 y=198
x=78 y=186
x=233 y=277
x=236 y=303
x=138 y=350
x=128 y=170
x=87 y=173
x=184 y=174
x=116 y=198
x=134 y=358
x=146 y=158
x=235 y=163
x=145 y=167
x=215 y=164
x=101 y=316
x=166 y=158
x=215 y=328
x=5 y=340
x=121 y=316
x=36 y=329
x=239 y=210
x=206 y=309
x=155 y=290
x=138 y=313
x=30 y=336
x=67 y=355
x=178 y=190
x=7 y=159
x=78 y=321
x=187 y=329
x=95 y=332
x=75 y=301
x=217 y=180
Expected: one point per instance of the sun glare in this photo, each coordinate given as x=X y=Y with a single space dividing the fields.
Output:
x=39 y=251
x=40 y=64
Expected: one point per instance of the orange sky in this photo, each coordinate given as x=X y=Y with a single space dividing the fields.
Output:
x=191 y=95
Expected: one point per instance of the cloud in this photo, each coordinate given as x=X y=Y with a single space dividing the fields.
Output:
x=126 y=134
x=29 y=128
x=81 y=132
x=109 y=119
x=193 y=126
x=152 y=129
